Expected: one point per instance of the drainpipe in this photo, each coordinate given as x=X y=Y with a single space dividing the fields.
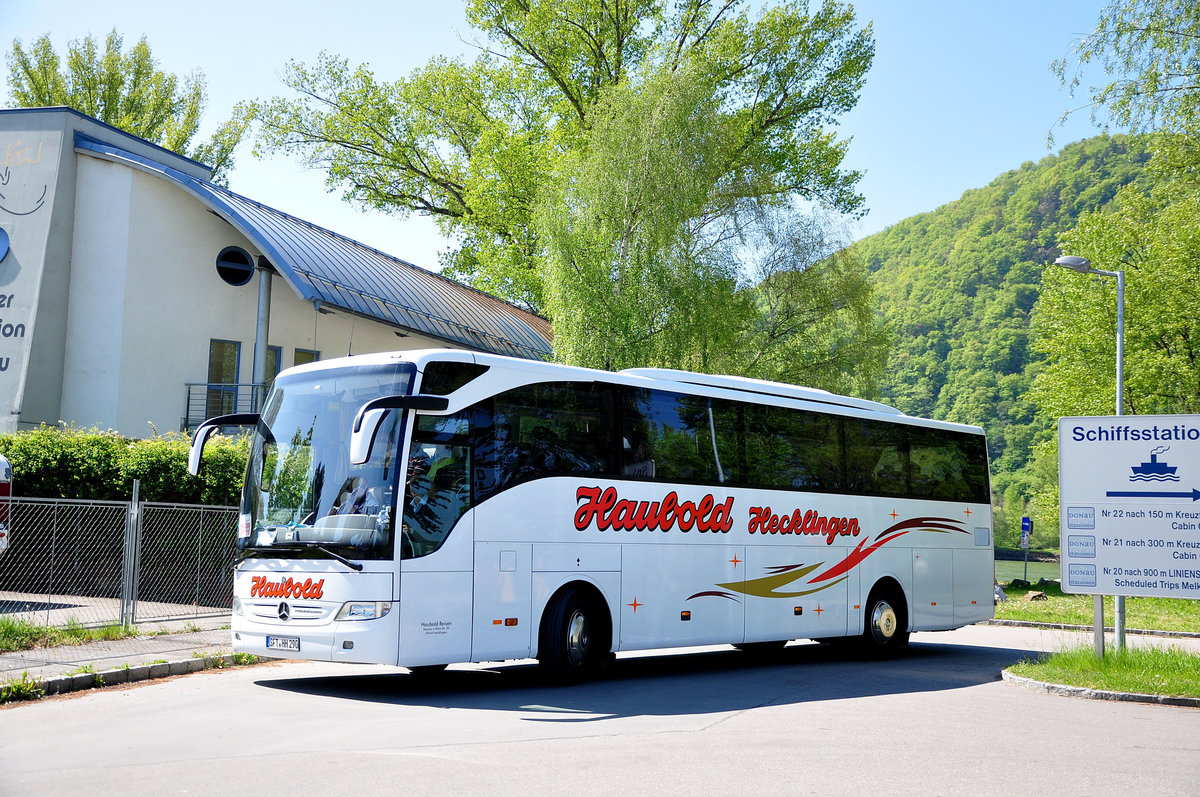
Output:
x=261 y=330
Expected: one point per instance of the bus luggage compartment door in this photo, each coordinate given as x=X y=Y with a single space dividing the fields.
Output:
x=502 y=625
x=672 y=595
x=933 y=589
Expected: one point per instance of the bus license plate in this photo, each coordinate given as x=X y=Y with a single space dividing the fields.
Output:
x=291 y=643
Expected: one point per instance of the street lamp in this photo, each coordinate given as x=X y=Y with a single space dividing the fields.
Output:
x=1084 y=266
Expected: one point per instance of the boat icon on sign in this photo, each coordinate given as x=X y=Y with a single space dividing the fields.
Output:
x=1154 y=471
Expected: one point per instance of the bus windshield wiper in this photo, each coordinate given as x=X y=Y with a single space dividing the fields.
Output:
x=251 y=551
x=297 y=546
x=301 y=545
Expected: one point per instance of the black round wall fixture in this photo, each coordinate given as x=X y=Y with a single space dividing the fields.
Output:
x=235 y=265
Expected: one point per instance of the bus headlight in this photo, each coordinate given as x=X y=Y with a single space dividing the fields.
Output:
x=237 y=605
x=364 y=610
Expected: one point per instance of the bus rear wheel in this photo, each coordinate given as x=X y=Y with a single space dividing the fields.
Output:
x=574 y=638
x=886 y=623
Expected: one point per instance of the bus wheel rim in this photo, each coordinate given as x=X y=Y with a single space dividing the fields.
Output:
x=883 y=622
x=578 y=640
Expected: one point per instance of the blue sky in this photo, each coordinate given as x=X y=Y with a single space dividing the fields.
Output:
x=960 y=90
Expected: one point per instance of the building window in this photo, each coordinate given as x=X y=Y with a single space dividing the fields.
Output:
x=274 y=361
x=224 y=358
x=305 y=356
x=235 y=266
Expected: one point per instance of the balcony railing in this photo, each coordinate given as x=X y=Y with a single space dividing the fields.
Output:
x=209 y=399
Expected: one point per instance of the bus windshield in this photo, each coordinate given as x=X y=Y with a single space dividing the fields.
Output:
x=301 y=490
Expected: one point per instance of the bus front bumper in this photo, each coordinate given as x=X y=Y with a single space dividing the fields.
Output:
x=349 y=641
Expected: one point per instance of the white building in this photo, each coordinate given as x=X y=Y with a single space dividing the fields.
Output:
x=133 y=291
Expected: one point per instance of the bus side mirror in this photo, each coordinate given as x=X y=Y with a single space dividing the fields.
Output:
x=370 y=417
x=205 y=431
x=366 y=426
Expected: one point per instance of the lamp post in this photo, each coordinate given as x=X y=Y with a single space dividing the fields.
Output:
x=1084 y=266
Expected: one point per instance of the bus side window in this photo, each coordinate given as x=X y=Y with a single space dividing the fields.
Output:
x=543 y=430
x=438 y=491
x=950 y=466
x=876 y=458
x=672 y=430
x=790 y=449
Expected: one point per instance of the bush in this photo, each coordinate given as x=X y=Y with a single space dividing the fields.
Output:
x=66 y=462
x=224 y=470
x=160 y=464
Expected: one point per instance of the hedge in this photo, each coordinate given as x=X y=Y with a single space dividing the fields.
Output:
x=66 y=462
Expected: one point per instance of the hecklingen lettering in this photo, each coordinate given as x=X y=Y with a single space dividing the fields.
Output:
x=763 y=521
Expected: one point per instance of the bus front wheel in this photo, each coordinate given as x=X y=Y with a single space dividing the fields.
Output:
x=574 y=640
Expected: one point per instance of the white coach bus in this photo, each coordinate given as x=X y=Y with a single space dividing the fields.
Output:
x=423 y=508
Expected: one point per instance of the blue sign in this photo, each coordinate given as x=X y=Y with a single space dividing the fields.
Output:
x=1026 y=524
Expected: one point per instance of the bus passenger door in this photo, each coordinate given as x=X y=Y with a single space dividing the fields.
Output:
x=435 y=601
x=435 y=615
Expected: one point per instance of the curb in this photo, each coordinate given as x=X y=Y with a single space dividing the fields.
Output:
x=122 y=675
x=1108 y=629
x=1097 y=694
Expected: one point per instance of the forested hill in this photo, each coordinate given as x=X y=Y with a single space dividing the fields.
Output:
x=956 y=287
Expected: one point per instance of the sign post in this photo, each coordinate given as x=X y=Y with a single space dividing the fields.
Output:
x=1129 y=507
x=1026 y=533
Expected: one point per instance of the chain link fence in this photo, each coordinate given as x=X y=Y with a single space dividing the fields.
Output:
x=95 y=563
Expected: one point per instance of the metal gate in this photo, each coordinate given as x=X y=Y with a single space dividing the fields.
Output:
x=92 y=563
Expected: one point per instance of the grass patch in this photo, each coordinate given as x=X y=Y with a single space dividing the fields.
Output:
x=24 y=689
x=24 y=635
x=236 y=660
x=1148 y=671
x=1162 y=614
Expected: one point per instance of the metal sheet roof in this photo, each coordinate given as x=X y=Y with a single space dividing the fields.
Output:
x=329 y=269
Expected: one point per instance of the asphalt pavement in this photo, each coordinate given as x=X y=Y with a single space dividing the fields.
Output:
x=181 y=647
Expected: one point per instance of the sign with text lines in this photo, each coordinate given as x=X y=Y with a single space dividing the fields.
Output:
x=1129 y=505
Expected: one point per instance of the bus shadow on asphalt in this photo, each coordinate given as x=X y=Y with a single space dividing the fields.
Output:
x=704 y=682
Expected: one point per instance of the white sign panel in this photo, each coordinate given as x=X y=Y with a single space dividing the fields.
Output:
x=28 y=178
x=1129 y=505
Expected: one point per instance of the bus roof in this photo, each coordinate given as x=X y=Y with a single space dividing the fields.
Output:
x=760 y=386
x=664 y=377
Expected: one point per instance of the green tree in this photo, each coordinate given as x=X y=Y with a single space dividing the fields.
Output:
x=479 y=145
x=814 y=319
x=125 y=90
x=1151 y=51
x=639 y=267
x=660 y=253
x=1152 y=238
